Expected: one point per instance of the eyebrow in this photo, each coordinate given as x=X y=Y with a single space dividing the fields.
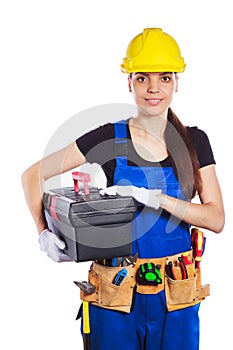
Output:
x=165 y=73
x=143 y=73
x=147 y=74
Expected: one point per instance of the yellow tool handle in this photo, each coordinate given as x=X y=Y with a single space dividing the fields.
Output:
x=86 y=321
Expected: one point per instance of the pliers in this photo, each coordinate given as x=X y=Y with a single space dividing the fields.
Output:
x=171 y=272
x=130 y=259
x=183 y=268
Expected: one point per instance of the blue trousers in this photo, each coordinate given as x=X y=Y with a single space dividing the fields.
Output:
x=148 y=327
x=155 y=234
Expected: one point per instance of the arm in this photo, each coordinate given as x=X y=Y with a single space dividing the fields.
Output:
x=209 y=214
x=34 y=177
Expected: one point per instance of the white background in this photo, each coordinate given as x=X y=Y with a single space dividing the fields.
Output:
x=59 y=58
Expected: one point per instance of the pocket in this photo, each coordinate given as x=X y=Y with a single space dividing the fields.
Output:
x=107 y=294
x=180 y=287
x=180 y=291
x=151 y=289
x=112 y=295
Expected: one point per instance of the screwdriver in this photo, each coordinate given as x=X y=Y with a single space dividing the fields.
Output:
x=198 y=244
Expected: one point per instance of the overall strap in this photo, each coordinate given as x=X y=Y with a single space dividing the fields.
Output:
x=121 y=143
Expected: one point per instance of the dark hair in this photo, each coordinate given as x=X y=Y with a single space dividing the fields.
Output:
x=183 y=155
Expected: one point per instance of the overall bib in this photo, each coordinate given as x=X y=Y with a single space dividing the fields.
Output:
x=149 y=326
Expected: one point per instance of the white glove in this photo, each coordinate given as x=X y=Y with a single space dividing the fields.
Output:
x=147 y=197
x=53 y=245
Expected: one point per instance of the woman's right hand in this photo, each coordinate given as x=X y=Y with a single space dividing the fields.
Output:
x=149 y=198
x=53 y=246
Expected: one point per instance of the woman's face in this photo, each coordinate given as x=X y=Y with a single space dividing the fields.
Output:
x=153 y=92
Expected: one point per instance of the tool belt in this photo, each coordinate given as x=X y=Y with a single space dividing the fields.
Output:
x=181 y=282
x=107 y=294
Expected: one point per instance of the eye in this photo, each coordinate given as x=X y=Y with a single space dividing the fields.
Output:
x=141 y=78
x=166 y=78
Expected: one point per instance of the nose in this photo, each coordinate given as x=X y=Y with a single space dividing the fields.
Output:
x=153 y=86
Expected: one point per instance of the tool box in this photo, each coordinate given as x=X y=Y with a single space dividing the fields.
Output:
x=93 y=226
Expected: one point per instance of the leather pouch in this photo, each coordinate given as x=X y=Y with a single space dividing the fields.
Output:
x=182 y=293
x=144 y=289
x=107 y=294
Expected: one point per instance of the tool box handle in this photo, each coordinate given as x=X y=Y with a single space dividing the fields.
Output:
x=85 y=178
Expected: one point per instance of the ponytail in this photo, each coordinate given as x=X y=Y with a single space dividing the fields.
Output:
x=183 y=156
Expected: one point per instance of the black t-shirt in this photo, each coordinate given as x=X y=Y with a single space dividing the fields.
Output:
x=98 y=147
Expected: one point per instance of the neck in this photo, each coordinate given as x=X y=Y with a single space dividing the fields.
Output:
x=155 y=125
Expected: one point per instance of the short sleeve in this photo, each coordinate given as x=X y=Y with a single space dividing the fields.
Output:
x=97 y=144
x=203 y=147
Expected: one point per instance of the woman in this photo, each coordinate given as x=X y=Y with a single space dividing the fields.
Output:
x=163 y=165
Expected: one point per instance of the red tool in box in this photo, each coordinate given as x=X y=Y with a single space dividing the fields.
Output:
x=85 y=178
x=93 y=226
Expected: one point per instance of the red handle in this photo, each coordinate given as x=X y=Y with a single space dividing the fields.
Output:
x=84 y=177
x=198 y=242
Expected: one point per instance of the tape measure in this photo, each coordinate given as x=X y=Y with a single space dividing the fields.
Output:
x=149 y=274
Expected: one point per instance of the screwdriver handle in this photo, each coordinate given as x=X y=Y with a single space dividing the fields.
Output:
x=198 y=243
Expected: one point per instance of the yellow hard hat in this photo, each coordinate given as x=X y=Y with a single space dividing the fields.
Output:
x=153 y=51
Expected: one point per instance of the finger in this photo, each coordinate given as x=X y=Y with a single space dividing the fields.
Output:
x=110 y=191
x=59 y=243
x=125 y=191
x=65 y=258
x=57 y=255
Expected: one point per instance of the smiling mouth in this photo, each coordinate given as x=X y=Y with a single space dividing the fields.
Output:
x=153 y=101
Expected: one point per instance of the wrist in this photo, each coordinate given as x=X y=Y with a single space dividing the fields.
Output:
x=43 y=231
x=41 y=225
x=162 y=200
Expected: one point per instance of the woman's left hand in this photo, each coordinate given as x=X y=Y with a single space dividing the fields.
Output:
x=149 y=198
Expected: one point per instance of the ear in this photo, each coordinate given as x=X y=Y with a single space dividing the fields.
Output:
x=177 y=85
x=129 y=83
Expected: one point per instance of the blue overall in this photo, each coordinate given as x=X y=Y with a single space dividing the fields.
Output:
x=149 y=326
